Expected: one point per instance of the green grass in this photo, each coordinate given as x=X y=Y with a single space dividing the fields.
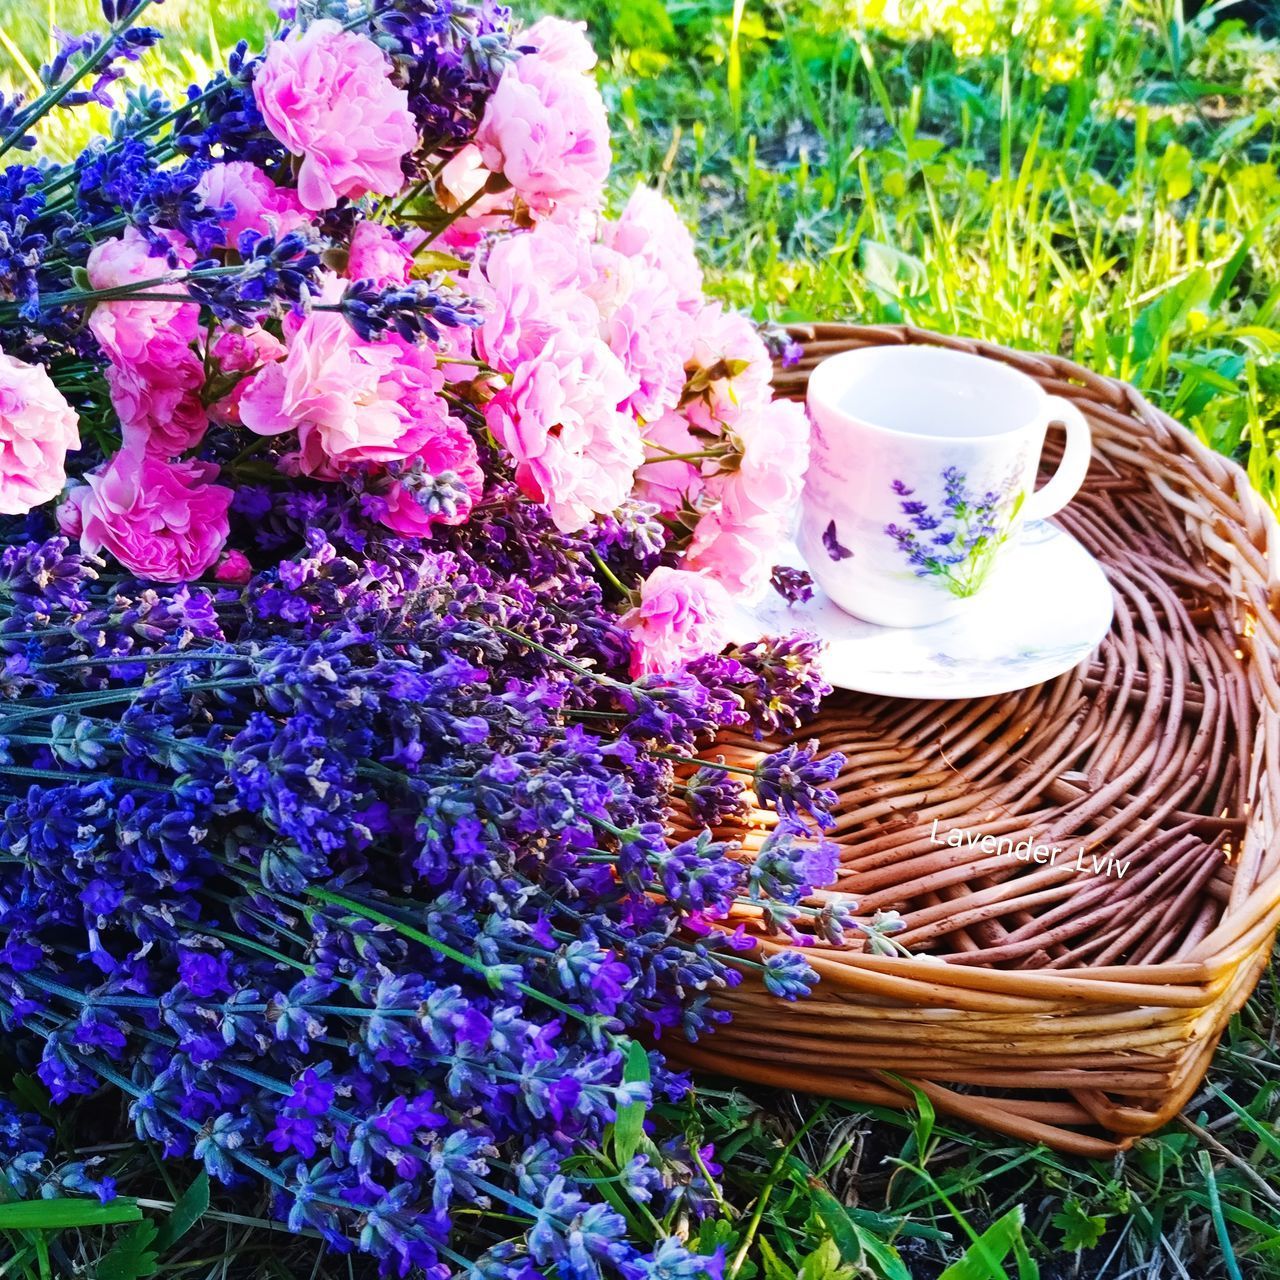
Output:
x=1094 y=179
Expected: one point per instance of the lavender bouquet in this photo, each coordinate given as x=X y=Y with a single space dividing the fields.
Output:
x=372 y=506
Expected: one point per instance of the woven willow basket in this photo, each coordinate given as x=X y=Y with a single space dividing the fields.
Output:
x=1076 y=1011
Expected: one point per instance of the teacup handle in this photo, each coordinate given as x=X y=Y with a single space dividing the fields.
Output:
x=1071 y=471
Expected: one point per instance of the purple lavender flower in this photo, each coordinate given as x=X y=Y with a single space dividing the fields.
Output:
x=795 y=586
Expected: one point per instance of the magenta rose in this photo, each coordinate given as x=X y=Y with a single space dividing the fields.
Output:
x=327 y=95
x=681 y=616
x=161 y=520
x=377 y=255
x=38 y=428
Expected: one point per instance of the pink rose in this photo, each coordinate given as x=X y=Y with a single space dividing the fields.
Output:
x=560 y=43
x=559 y=419
x=257 y=204
x=242 y=351
x=327 y=95
x=69 y=513
x=446 y=467
x=726 y=343
x=645 y=328
x=651 y=230
x=681 y=616
x=352 y=402
x=154 y=376
x=669 y=483
x=38 y=428
x=735 y=541
x=378 y=256
x=234 y=567
x=461 y=181
x=546 y=131
x=157 y=398
x=533 y=286
x=126 y=328
x=161 y=520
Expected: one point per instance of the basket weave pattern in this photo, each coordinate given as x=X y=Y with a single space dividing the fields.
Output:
x=1078 y=1010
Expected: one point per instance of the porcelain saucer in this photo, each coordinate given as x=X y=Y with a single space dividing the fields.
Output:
x=1046 y=611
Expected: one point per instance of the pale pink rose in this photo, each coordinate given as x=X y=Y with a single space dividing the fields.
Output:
x=669 y=483
x=559 y=419
x=562 y=44
x=449 y=449
x=162 y=520
x=352 y=402
x=681 y=616
x=775 y=456
x=327 y=95
x=38 y=428
x=126 y=328
x=378 y=256
x=69 y=513
x=461 y=181
x=533 y=286
x=644 y=327
x=650 y=229
x=257 y=204
x=727 y=345
x=546 y=131
x=234 y=567
x=736 y=539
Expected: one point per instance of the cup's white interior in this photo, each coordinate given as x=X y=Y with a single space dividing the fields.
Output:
x=925 y=391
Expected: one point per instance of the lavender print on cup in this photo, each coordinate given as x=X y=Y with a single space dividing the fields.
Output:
x=922 y=471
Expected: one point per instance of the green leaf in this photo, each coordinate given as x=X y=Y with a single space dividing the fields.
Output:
x=628 y=1128
x=1080 y=1230
x=893 y=276
x=983 y=1257
x=773 y=1266
x=825 y=1263
x=189 y=1209
x=57 y=1215
x=132 y=1257
x=853 y=1239
x=1177 y=171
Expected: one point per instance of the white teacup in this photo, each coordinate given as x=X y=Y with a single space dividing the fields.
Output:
x=922 y=470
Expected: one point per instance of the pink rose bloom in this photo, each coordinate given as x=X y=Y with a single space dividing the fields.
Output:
x=352 y=402
x=327 y=95
x=157 y=398
x=559 y=419
x=651 y=230
x=257 y=204
x=461 y=180
x=533 y=287
x=728 y=341
x=161 y=520
x=125 y=329
x=449 y=450
x=560 y=43
x=38 y=428
x=546 y=131
x=645 y=329
x=775 y=456
x=681 y=616
x=234 y=567
x=669 y=483
x=69 y=513
x=242 y=351
x=735 y=541
x=378 y=256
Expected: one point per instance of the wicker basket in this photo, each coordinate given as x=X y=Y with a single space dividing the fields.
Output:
x=1080 y=1012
